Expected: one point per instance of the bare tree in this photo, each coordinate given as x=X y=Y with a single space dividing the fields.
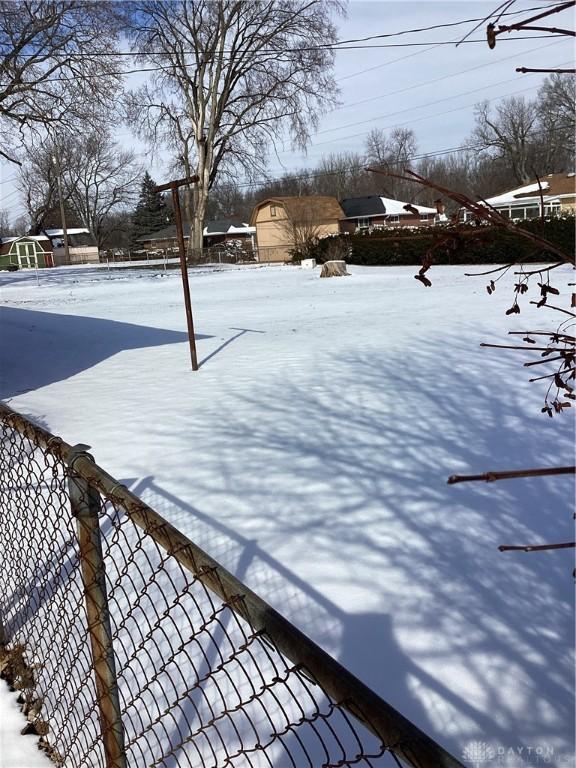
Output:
x=21 y=224
x=56 y=66
x=456 y=171
x=38 y=180
x=301 y=227
x=97 y=178
x=101 y=179
x=556 y=106
x=5 y=228
x=235 y=78
x=507 y=133
x=397 y=148
x=342 y=175
x=391 y=152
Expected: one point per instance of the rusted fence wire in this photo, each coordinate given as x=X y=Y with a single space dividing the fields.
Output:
x=132 y=647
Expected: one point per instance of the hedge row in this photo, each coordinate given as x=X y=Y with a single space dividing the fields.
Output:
x=476 y=245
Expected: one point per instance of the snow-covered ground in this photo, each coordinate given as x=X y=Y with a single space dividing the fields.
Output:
x=310 y=454
x=17 y=751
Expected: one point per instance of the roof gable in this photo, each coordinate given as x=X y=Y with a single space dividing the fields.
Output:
x=315 y=208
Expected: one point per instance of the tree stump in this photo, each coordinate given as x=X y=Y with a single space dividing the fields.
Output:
x=334 y=269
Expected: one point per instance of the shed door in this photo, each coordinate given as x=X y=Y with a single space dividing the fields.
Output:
x=26 y=253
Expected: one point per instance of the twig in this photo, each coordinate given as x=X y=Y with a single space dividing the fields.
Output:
x=544 y=269
x=552 y=30
x=541 y=333
x=536 y=547
x=542 y=362
x=558 y=309
x=490 y=271
x=552 y=375
x=520 y=24
x=527 y=348
x=524 y=70
x=490 y=477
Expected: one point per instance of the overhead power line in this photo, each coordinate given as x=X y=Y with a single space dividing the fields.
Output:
x=329 y=46
x=412 y=122
x=170 y=68
x=422 y=83
x=421 y=106
x=424 y=155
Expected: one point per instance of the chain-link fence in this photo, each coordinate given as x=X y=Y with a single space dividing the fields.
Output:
x=132 y=647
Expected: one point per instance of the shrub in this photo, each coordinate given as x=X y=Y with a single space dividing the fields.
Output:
x=407 y=246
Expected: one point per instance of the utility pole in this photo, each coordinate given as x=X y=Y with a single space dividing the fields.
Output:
x=173 y=186
x=62 y=212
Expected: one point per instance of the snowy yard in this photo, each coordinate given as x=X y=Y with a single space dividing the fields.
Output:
x=310 y=455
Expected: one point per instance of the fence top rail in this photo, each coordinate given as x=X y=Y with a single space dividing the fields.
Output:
x=405 y=739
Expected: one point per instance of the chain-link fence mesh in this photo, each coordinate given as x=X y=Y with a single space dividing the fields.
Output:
x=132 y=647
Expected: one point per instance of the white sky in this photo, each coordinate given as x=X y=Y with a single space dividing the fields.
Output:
x=387 y=87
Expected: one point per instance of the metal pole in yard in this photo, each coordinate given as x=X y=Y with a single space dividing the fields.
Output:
x=86 y=504
x=184 y=270
x=173 y=186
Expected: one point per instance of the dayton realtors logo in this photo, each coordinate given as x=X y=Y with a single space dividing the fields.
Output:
x=478 y=753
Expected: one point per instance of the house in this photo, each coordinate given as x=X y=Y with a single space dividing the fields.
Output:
x=362 y=214
x=82 y=247
x=283 y=223
x=25 y=251
x=221 y=231
x=558 y=195
x=214 y=233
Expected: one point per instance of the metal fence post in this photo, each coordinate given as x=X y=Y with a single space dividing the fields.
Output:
x=86 y=504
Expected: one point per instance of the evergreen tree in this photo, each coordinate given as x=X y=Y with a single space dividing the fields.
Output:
x=151 y=213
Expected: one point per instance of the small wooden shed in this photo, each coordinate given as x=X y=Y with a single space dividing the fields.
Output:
x=27 y=251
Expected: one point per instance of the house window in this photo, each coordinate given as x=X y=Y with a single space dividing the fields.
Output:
x=423 y=217
x=363 y=223
x=272 y=210
x=394 y=219
x=517 y=214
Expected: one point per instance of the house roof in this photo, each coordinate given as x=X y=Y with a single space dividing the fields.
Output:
x=4 y=240
x=554 y=185
x=218 y=227
x=226 y=227
x=360 y=207
x=71 y=231
x=313 y=207
x=398 y=208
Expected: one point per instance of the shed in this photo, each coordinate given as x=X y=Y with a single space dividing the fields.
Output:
x=26 y=251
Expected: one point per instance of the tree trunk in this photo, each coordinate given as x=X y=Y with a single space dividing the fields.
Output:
x=198 y=200
x=334 y=269
x=196 y=234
